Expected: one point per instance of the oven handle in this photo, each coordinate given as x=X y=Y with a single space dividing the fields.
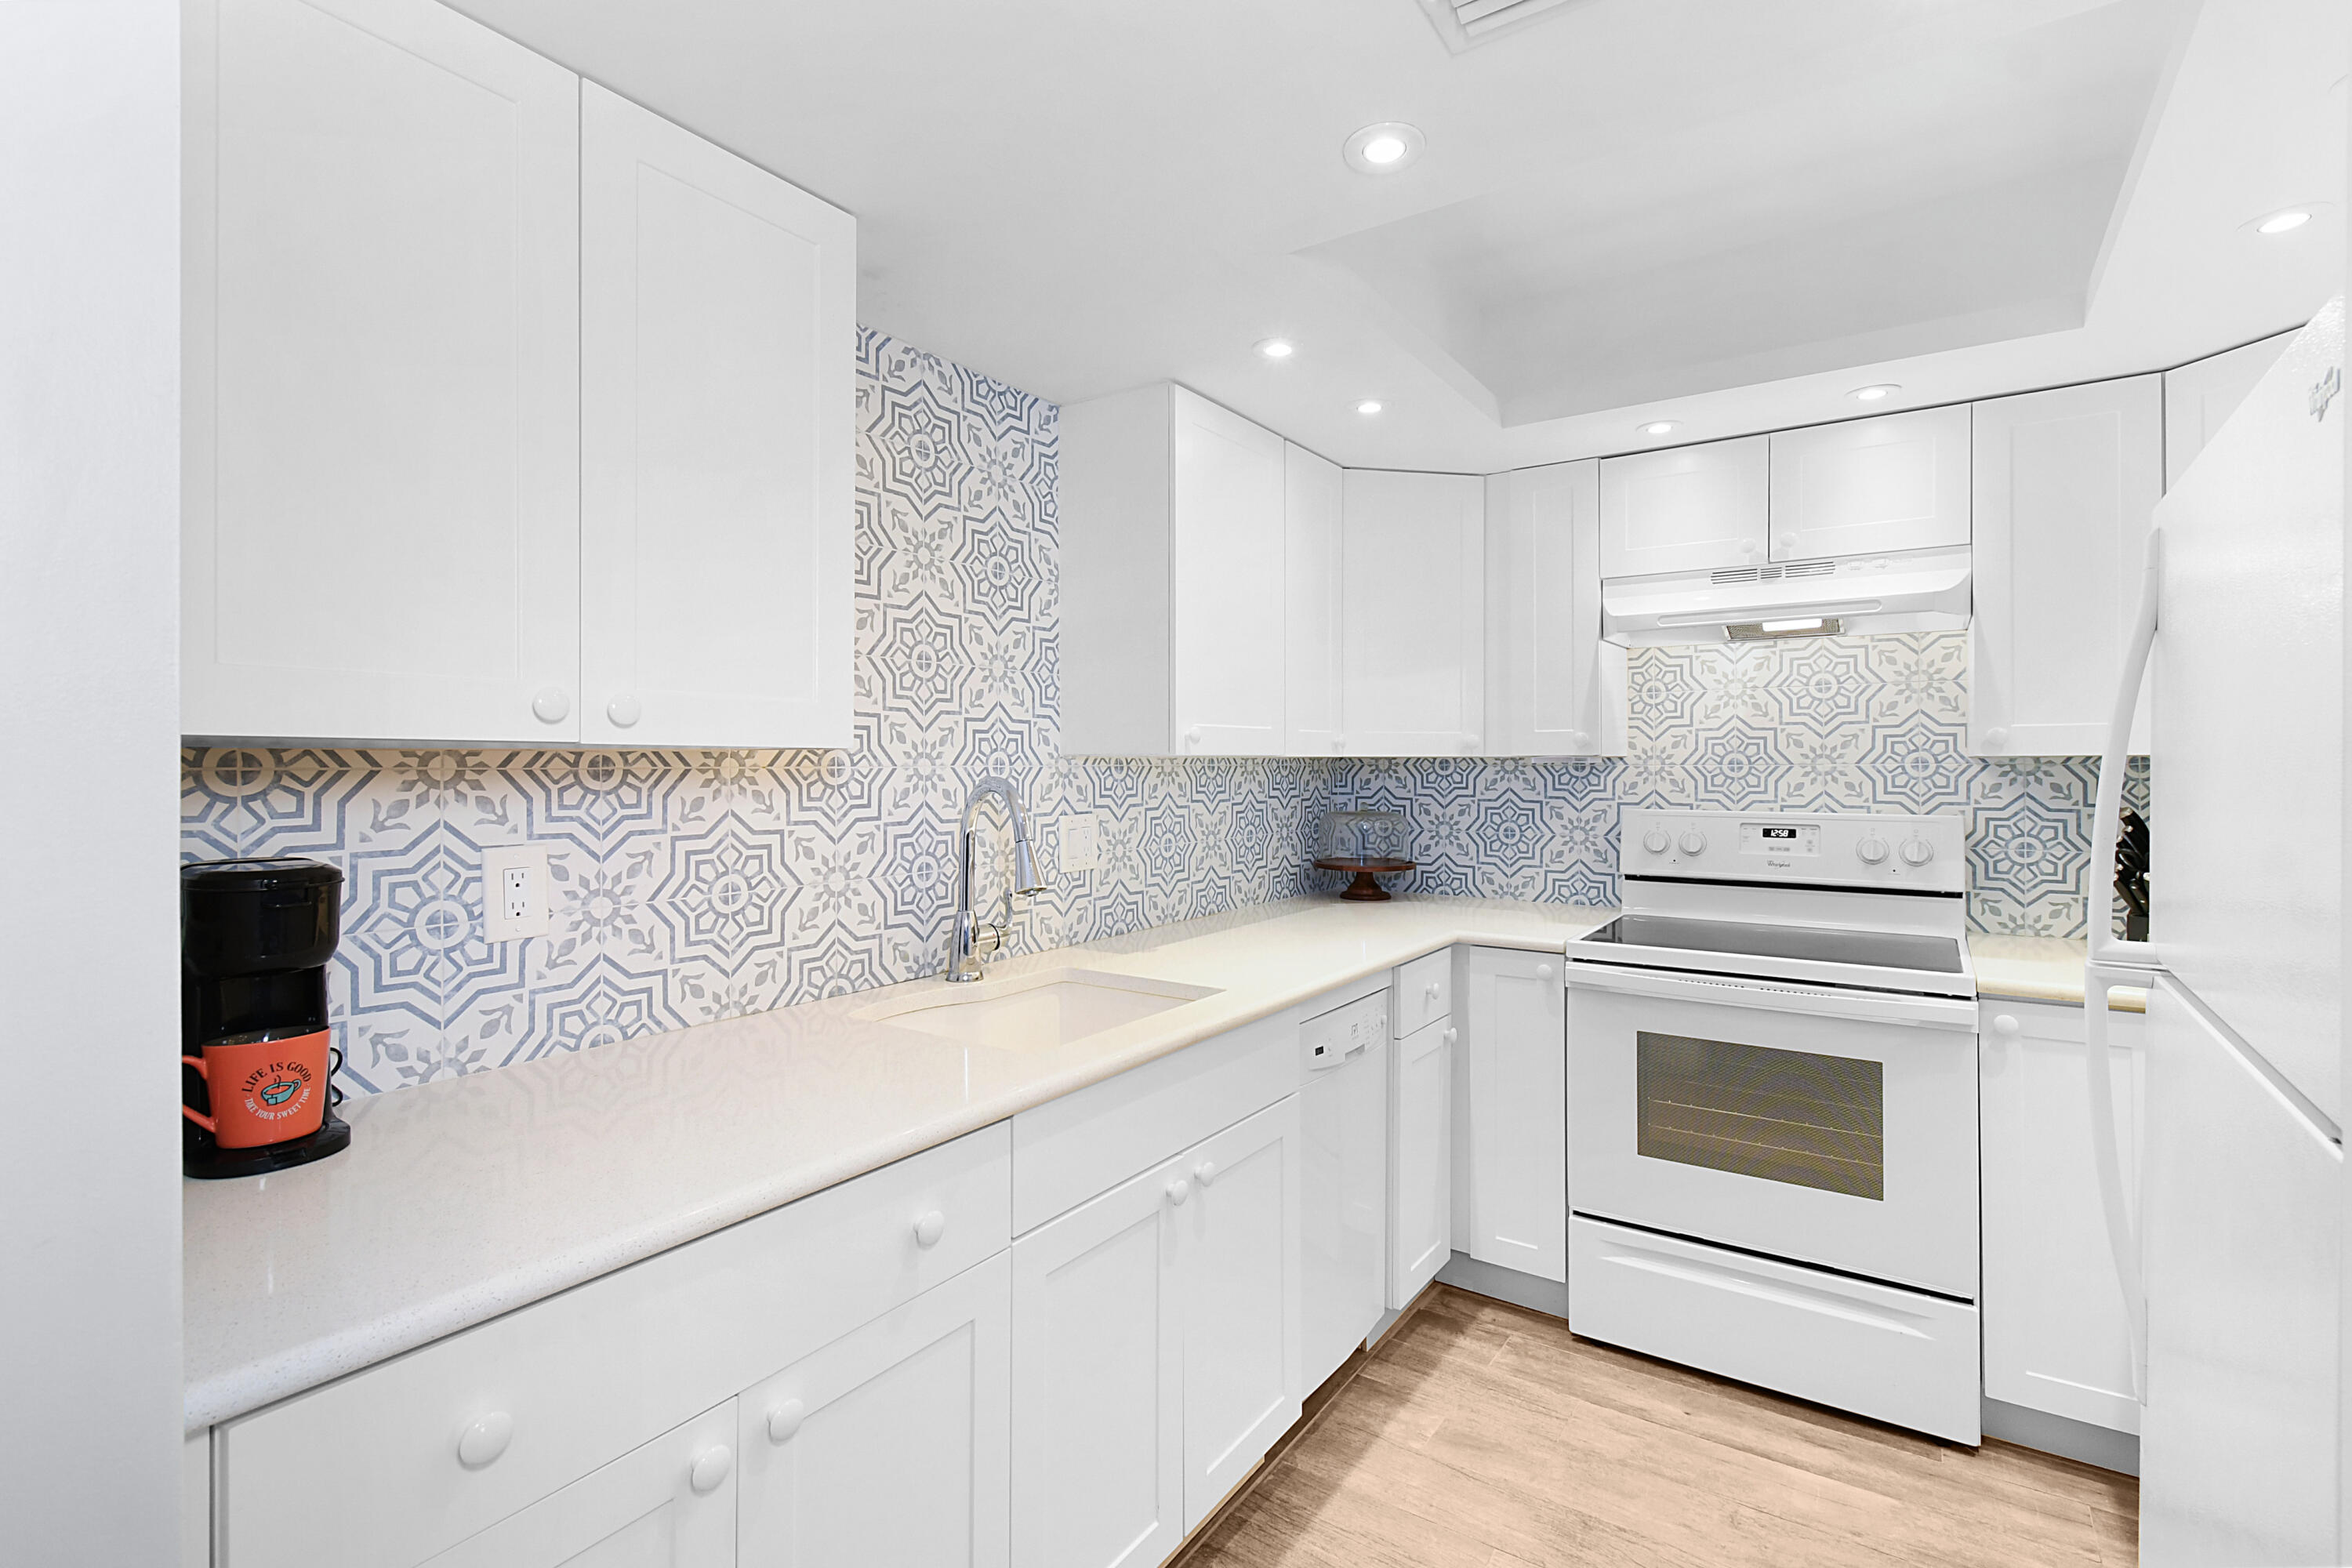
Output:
x=1919 y=1012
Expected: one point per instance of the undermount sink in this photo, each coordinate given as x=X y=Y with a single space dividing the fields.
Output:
x=1036 y=1012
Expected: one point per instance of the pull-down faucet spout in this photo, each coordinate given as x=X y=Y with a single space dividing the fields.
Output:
x=966 y=953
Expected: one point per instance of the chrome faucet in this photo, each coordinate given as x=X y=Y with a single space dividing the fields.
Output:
x=966 y=953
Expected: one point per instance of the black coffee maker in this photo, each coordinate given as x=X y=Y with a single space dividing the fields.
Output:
x=256 y=1065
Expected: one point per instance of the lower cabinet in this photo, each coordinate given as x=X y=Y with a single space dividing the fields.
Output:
x=1420 y=1160
x=887 y=1448
x=669 y=1504
x=2055 y=1337
x=1155 y=1349
x=1511 y=1164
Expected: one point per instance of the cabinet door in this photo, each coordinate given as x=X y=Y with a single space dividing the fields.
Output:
x=887 y=1448
x=1553 y=687
x=380 y=505
x=1311 y=614
x=1225 y=582
x=1512 y=1066
x=716 y=344
x=1420 y=1199
x=669 y=1504
x=1689 y=510
x=2066 y=484
x=2055 y=1338
x=1239 y=1251
x=1896 y=483
x=1097 y=1455
x=1415 y=639
x=2200 y=397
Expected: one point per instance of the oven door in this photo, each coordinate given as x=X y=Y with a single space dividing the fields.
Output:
x=1832 y=1128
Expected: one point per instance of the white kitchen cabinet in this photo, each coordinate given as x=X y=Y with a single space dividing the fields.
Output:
x=1420 y=1160
x=2066 y=482
x=1173 y=578
x=888 y=1446
x=1312 y=612
x=718 y=343
x=1413 y=567
x=669 y=1504
x=1689 y=508
x=1553 y=687
x=1511 y=1158
x=2055 y=1338
x=381 y=453
x=2200 y=397
x=1238 y=1247
x=1899 y=482
x=1098 y=1450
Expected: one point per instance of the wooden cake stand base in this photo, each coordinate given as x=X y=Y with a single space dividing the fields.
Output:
x=1363 y=890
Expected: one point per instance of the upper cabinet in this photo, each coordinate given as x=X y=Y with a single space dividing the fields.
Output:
x=1553 y=687
x=1312 y=614
x=408 y=294
x=2066 y=482
x=2200 y=396
x=382 y=376
x=1414 y=644
x=1896 y=483
x=1693 y=509
x=718 y=326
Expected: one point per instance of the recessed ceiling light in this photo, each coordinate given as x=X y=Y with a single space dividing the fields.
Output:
x=1383 y=149
x=1277 y=348
x=1369 y=406
x=2285 y=222
x=1879 y=393
x=1661 y=427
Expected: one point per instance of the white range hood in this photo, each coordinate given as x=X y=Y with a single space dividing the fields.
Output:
x=1922 y=591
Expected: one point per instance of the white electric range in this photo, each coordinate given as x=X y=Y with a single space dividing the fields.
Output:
x=1772 y=1110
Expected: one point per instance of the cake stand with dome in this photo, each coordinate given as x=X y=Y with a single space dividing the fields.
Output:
x=1367 y=843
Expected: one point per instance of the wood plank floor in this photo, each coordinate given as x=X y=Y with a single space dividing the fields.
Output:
x=1481 y=1435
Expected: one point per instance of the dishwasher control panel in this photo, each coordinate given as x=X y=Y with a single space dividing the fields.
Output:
x=1344 y=1033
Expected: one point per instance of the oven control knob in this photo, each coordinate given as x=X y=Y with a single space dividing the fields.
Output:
x=1656 y=841
x=1694 y=842
x=1872 y=850
x=1917 y=852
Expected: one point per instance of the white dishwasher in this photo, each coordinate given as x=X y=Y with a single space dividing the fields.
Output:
x=1343 y=1189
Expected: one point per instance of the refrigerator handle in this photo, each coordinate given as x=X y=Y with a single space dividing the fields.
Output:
x=2114 y=962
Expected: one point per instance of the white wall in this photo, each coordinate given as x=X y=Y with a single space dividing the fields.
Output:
x=89 y=1200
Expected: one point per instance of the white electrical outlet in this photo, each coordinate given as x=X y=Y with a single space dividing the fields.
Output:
x=1079 y=843
x=514 y=892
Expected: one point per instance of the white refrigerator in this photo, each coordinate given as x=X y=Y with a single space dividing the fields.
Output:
x=2231 y=1248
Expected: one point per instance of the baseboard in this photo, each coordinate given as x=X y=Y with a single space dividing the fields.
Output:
x=2063 y=1435
x=1532 y=1291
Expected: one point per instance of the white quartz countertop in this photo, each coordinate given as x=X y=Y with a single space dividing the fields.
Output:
x=2041 y=968
x=463 y=1199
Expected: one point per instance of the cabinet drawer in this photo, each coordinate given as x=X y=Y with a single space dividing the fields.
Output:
x=1424 y=991
x=371 y=1462
x=1067 y=1150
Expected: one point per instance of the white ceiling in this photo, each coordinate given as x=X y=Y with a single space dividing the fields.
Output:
x=1724 y=212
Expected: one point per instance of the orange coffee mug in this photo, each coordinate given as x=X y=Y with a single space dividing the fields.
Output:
x=264 y=1090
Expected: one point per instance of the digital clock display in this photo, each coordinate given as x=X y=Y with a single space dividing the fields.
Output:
x=1776 y=835
x=1780 y=838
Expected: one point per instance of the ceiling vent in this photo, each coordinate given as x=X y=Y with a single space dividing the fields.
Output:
x=1467 y=24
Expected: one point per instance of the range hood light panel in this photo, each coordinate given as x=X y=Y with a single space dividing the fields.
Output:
x=1766 y=631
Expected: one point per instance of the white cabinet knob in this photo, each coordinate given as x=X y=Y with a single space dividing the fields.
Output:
x=1788 y=541
x=1579 y=739
x=484 y=1439
x=1543 y=972
x=1431 y=990
x=1469 y=742
x=624 y=710
x=1337 y=741
x=1205 y=1172
x=1748 y=547
x=1192 y=739
x=2003 y=1024
x=930 y=1228
x=1178 y=1191
x=1449 y=1037
x=711 y=1467
x=552 y=705
x=1996 y=738
x=785 y=1419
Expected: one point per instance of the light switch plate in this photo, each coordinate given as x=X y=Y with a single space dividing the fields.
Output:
x=514 y=892
x=1077 y=843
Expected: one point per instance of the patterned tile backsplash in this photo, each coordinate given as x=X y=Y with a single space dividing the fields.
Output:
x=696 y=885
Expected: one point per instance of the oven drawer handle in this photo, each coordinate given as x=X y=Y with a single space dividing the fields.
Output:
x=1816 y=1301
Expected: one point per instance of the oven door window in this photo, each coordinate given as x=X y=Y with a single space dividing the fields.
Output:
x=1781 y=1116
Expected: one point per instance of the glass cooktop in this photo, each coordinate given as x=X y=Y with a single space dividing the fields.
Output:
x=1878 y=949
